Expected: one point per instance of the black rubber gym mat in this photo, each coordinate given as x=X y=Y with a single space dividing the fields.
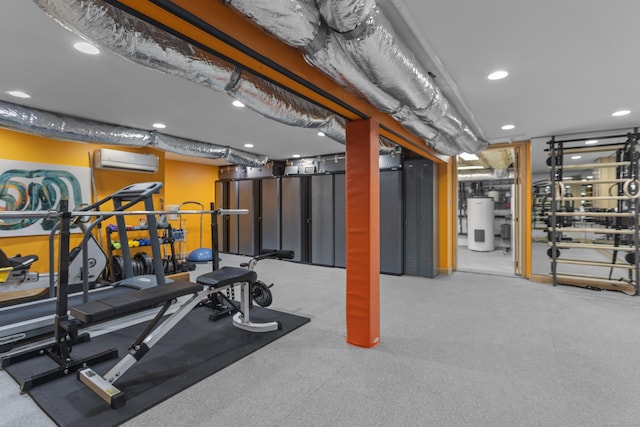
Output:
x=193 y=350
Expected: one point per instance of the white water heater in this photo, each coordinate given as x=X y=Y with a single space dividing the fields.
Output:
x=480 y=228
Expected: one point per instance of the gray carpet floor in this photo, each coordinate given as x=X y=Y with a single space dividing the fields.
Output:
x=462 y=350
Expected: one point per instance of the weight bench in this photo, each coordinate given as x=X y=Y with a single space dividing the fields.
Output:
x=226 y=278
x=129 y=303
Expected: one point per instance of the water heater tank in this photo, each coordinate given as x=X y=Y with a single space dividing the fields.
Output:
x=480 y=219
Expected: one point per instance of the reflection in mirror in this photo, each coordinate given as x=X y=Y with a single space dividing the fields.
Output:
x=581 y=195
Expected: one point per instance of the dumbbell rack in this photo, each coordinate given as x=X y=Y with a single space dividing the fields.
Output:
x=141 y=262
x=622 y=223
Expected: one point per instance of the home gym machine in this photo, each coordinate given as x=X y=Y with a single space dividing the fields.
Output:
x=209 y=284
x=20 y=323
x=618 y=226
x=68 y=321
x=251 y=289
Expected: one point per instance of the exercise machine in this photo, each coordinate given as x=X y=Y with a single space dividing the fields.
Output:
x=220 y=279
x=84 y=264
x=16 y=269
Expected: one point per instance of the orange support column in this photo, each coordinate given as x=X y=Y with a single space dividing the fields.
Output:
x=363 y=233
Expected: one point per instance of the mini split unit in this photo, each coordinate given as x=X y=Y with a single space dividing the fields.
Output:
x=105 y=158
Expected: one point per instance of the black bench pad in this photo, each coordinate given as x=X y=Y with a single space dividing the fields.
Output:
x=130 y=302
x=227 y=276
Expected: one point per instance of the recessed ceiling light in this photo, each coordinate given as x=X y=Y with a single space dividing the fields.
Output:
x=591 y=141
x=508 y=127
x=248 y=145
x=237 y=103
x=159 y=125
x=497 y=75
x=17 y=93
x=576 y=157
x=295 y=156
x=320 y=133
x=467 y=156
x=621 y=113
x=462 y=168
x=87 y=48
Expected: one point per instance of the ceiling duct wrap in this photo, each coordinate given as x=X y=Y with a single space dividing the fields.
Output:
x=361 y=52
x=274 y=102
x=294 y=21
x=67 y=128
x=146 y=45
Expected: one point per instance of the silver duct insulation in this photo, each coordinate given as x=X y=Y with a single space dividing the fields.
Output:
x=360 y=51
x=146 y=45
x=383 y=57
x=67 y=128
x=487 y=176
x=273 y=101
x=294 y=21
x=326 y=54
x=334 y=14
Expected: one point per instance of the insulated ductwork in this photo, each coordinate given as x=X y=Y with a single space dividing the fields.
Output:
x=486 y=176
x=66 y=128
x=146 y=45
x=359 y=49
x=294 y=21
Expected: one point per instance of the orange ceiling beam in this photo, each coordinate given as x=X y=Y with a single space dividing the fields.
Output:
x=243 y=42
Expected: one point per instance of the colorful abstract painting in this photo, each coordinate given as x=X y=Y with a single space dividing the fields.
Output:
x=29 y=186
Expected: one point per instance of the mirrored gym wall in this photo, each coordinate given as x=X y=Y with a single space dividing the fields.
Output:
x=583 y=217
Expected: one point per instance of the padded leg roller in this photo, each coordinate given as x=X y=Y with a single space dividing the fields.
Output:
x=243 y=321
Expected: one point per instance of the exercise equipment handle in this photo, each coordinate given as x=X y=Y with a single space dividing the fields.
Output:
x=233 y=211
x=283 y=254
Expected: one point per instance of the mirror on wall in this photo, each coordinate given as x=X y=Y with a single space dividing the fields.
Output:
x=589 y=208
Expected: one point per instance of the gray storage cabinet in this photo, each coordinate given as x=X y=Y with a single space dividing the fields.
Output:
x=340 y=221
x=270 y=214
x=248 y=191
x=391 y=221
x=232 y=221
x=420 y=232
x=391 y=241
x=294 y=216
x=322 y=212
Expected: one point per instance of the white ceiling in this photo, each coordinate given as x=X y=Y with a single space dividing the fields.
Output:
x=571 y=62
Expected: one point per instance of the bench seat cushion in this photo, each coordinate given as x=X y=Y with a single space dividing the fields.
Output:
x=227 y=276
x=130 y=302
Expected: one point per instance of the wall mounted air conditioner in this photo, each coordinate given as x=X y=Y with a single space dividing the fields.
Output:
x=105 y=158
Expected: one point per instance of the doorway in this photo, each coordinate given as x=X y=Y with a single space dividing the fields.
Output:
x=490 y=204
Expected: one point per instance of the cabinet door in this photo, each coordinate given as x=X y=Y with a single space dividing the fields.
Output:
x=419 y=233
x=391 y=239
x=293 y=218
x=270 y=214
x=233 y=219
x=322 y=220
x=340 y=226
x=248 y=223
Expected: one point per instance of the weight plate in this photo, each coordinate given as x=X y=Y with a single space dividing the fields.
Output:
x=146 y=262
x=550 y=252
x=630 y=258
x=261 y=294
x=138 y=267
x=118 y=267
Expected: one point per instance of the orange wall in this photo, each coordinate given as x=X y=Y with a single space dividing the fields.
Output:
x=182 y=181
x=190 y=182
